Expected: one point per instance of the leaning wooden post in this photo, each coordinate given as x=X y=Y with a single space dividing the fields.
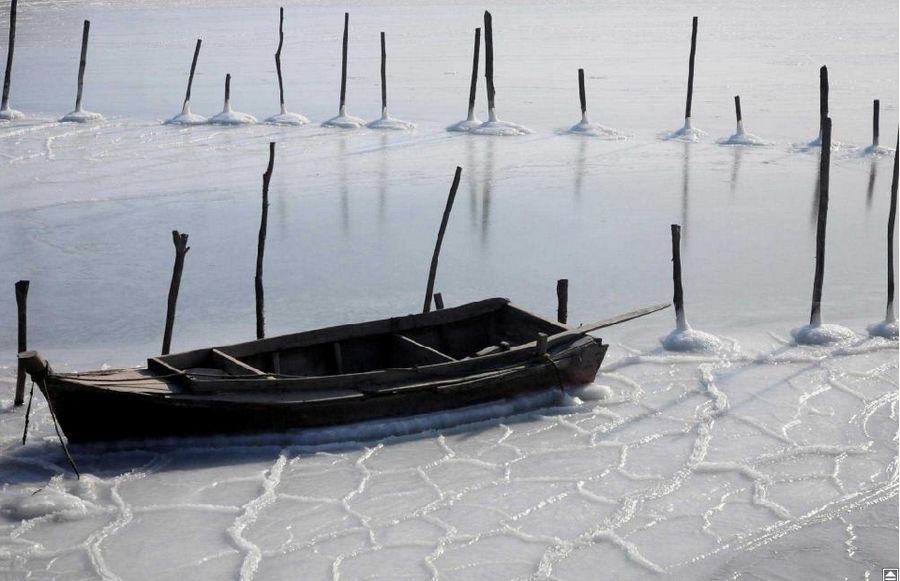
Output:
x=186 y=108
x=737 y=114
x=581 y=94
x=22 y=306
x=489 y=63
x=181 y=249
x=474 y=83
x=4 y=105
x=815 y=317
x=83 y=63
x=876 y=107
x=278 y=58
x=440 y=238
x=690 y=87
x=438 y=301
x=823 y=101
x=261 y=246
x=341 y=110
x=562 y=300
x=891 y=314
x=678 y=296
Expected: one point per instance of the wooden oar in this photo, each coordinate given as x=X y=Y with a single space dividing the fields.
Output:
x=621 y=318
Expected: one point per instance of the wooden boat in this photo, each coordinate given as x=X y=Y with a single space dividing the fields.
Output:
x=449 y=358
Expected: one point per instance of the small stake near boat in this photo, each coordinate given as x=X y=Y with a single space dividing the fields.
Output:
x=448 y=358
x=228 y=116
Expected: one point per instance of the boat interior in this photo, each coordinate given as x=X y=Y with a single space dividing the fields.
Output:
x=442 y=336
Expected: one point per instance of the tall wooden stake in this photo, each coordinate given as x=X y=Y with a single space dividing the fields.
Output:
x=815 y=316
x=678 y=296
x=278 y=56
x=187 y=95
x=737 y=114
x=227 y=88
x=22 y=306
x=562 y=300
x=489 y=61
x=261 y=246
x=823 y=101
x=581 y=92
x=9 y=54
x=383 y=76
x=181 y=249
x=344 y=62
x=876 y=109
x=474 y=83
x=690 y=88
x=891 y=315
x=81 y=65
x=440 y=238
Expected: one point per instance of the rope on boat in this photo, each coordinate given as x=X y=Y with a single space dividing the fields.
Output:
x=555 y=368
x=59 y=434
x=28 y=413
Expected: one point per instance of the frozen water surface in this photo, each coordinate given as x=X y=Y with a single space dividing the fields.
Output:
x=771 y=461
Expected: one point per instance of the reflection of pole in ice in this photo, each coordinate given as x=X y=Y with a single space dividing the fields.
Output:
x=580 y=167
x=736 y=167
x=871 y=189
x=344 y=187
x=382 y=179
x=486 y=191
x=473 y=184
x=685 y=187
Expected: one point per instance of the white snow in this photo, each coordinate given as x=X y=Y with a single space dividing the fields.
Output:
x=587 y=128
x=824 y=334
x=285 y=117
x=769 y=461
x=186 y=117
x=80 y=115
x=230 y=117
x=388 y=122
x=687 y=133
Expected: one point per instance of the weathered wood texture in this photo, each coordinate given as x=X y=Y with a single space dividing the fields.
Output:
x=344 y=60
x=261 y=246
x=473 y=84
x=892 y=221
x=85 y=33
x=489 y=58
x=581 y=94
x=22 y=310
x=429 y=290
x=562 y=300
x=737 y=108
x=815 y=316
x=278 y=55
x=187 y=93
x=823 y=99
x=678 y=295
x=9 y=53
x=383 y=74
x=876 y=111
x=690 y=87
x=181 y=249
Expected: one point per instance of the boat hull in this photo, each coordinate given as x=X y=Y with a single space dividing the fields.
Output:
x=95 y=412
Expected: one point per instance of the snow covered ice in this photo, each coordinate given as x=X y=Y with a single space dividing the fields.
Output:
x=774 y=461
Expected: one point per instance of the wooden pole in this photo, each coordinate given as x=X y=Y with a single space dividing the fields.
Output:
x=823 y=101
x=737 y=108
x=81 y=65
x=581 y=92
x=438 y=301
x=344 y=62
x=261 y=246
x=876 y=110
x=278 y=56
x=690 y=88
x=474 y=83
x=227 y=88
x=891 y=315
x=383 y=76
x=440 y=238
x=187 y=94
x=489 y=59
x=181 y=249
x=815 y=316
x=22 y=306
x=562 y=300
x=9 y=54
x=678 y=296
